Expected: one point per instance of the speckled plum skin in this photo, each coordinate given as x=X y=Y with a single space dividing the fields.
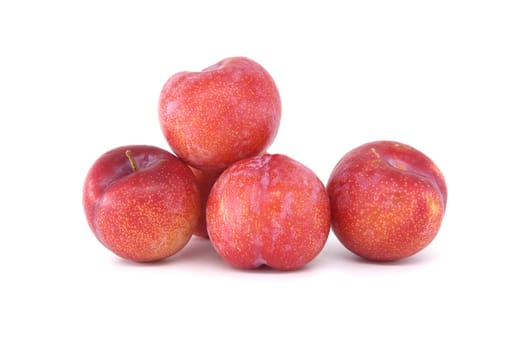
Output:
x=146 y=214
x=225 y=113
x=268 y=210
x=204 y=180
x=387 y=200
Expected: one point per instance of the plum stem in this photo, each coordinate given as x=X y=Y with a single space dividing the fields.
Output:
x=133 y=164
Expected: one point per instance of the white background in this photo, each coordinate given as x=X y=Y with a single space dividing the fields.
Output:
x=447 y=77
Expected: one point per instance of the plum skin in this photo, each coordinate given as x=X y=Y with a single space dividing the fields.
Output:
x=142 y=215
x=387 y=200
x=268 y=210
x=222 y=114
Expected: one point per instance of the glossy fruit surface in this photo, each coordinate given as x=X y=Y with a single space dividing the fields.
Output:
x=141 y=202
x=268 y=210
x=204 y=180
x=387 y=200
x=225 y=113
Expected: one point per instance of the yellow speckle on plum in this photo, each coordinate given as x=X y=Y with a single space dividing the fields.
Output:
x=433 y=205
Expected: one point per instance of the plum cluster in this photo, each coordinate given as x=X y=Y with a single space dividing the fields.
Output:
x=384 y=200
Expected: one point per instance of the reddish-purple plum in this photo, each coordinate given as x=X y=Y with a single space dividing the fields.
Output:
x=268 y=210
x=225 y=113
x=387 y=200
x=141 y=202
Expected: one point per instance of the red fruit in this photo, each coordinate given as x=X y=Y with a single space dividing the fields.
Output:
x=387 y=200
x=204 y=180
x=141 y=202
x=220 y=115
x=268 y=210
